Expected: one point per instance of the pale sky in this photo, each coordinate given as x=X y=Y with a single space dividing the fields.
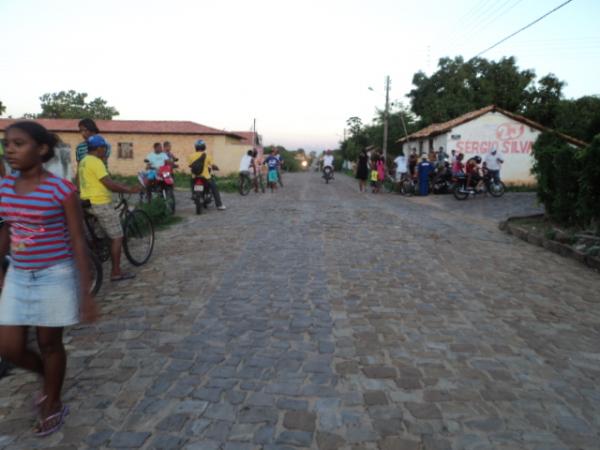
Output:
x=301 y=68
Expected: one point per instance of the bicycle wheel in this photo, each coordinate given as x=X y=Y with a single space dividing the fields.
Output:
x=96 y=273
x=245 y=185
x=138 y=239
x=170 y=200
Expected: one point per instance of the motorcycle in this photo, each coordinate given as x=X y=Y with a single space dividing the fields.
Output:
x=165 y=186
x=442 y=182
x=461 y=191
x=201 y=193
x=327 y=174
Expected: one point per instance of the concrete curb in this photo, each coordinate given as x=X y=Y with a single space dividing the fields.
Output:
x=562 y=249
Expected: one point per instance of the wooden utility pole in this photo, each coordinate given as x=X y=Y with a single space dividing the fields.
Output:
x=386 y=118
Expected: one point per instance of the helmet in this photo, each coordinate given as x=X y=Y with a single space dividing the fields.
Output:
x=96 y=141
x=200 y=145
x=477 y=159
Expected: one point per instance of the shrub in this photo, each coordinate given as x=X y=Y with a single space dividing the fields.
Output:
x=588 y=204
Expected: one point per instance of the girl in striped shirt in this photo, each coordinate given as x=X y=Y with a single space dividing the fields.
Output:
x=47 y=284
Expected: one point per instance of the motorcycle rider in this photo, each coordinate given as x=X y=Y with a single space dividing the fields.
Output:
x=472 y=171
x=328 y=162
x=493 y=163
x=207 y=167
x=158 y=157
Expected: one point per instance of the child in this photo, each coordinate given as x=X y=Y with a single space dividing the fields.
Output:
x=48 y=282
x=272 y=163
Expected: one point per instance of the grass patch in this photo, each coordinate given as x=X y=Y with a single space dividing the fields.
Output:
x=521 y=188
x=157 y=210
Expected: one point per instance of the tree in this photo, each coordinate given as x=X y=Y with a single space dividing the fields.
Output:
x=2 y=108
x=579 y=118
x=544 y=100
x=72 y=105
x=458 y=87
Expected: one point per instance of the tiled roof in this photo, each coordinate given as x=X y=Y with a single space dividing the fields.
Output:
x=247 y=137
x=129 y=126
x=440 y=128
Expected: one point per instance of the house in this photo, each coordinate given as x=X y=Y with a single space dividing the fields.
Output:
x=132 y=140
x=477 y=132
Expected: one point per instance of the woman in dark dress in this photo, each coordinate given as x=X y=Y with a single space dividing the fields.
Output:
x=362 y=170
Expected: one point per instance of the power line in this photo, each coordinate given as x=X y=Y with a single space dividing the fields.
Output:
x=523 y=28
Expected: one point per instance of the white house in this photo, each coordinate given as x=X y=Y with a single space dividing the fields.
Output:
x=477 y=132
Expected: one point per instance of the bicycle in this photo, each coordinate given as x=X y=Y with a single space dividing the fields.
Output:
x=245 y=183
x=138 y=238
x=408 y=186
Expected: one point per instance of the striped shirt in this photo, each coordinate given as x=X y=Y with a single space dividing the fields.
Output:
x=38 y=230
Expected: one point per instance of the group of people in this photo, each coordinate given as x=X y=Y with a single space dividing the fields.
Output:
x=372 y=167
x=253 y=167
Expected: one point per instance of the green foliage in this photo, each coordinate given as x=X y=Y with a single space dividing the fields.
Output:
x=568 y=180
x=72 y=105
x=579 y=118
x=589 y=200
x=458 y=87
x=159 y=214
x=2 y=108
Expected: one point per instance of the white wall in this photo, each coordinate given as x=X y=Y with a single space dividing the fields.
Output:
x=514 y=141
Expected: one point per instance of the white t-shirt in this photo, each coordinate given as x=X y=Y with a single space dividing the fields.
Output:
x=328 y=161
x=400 y=162
x=245 y=163
x=157 y=159
x=493 y=162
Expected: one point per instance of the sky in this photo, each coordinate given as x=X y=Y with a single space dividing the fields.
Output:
x=300 y=68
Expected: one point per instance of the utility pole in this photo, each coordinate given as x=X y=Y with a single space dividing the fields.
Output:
x=386 y=118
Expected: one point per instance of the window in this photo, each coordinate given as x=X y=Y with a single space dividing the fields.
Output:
x=125 y=150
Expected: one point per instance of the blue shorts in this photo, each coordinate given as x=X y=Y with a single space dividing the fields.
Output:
x=46 y=298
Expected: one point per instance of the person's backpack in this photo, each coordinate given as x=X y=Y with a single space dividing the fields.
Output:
x=197 y=166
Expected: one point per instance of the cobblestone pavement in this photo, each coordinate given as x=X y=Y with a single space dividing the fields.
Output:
x=320 y=317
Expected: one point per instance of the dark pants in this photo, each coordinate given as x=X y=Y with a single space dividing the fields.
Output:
x=495 y=175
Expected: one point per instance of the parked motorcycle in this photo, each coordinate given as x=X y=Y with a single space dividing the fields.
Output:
x=442 y=182
x=461 y=191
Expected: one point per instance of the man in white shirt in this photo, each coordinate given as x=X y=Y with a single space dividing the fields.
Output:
x=328 y=161
x=247 y=164
x=401 y=170
x=493 y=163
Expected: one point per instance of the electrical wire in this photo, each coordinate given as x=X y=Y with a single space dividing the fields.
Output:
x=522 y=29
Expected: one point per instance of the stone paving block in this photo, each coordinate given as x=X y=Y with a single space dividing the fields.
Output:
x=128 y=439
x=203 y=445
x=399 y=443
x=299 y=420
x=264 y=435
x=166 y=442
x=172 y=423
x=295 y=438
x=375 y=398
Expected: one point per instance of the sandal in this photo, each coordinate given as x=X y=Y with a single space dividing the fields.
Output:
x=123 y=276
x=52 y=423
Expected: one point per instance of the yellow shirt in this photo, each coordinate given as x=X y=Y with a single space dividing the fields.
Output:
x=208 y=162
x=91 y=170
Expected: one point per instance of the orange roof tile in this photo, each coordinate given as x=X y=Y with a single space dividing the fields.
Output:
x=129 y=126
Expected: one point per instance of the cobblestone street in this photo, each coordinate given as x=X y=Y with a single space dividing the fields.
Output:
x=320 y=317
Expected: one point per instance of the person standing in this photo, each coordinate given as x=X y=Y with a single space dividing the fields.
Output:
x=424 y=169
x=88 y=128
x=48 y=290
x=362 y=170
x=279 y=159
x=493 y=163
x=400 y=165
x=413 y=160
x=97 y=188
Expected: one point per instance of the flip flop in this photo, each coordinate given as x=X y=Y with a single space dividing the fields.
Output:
x=123 y=276
x=58 y=417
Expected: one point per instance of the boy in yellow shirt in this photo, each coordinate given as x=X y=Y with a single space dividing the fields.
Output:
x=200 y=147
x=96 y=186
